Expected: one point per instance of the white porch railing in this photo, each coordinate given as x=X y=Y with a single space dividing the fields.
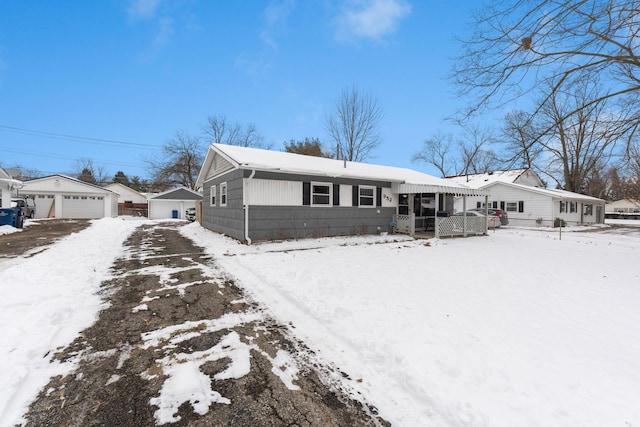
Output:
x=405 y=224
x=443 y=226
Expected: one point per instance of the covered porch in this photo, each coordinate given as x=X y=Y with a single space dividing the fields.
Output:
x=429 y=209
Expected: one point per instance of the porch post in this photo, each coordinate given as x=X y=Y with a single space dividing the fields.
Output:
x=436 y=228
x=486 y=214
x=464 y=218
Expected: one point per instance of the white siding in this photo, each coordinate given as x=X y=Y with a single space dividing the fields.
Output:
x=346 y=195
x=267 y=192
x=163 y=209
x=389 y=200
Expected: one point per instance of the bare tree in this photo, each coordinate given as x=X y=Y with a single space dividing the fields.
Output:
x=179 y=164
x=354 y=124
x=468 y=155
x=580 y=135
x=519 y=138
x=517 y=47
x=438 y=151
x=87 y=171
x=219 y=130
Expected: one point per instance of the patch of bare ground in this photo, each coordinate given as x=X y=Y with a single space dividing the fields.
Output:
x=170 y=311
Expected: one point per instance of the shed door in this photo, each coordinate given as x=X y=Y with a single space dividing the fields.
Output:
x=82 y=206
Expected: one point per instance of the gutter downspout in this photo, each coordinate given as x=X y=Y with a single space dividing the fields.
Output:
x=246 y=209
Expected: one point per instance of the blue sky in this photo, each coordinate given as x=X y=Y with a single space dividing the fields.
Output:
x=138 y=71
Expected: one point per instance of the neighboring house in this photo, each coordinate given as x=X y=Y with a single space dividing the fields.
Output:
x=623 y=208
x=514 y=176
x=8 y=186
x=130 y=202
x=533 y=206
x=60 y=196
x=173 y=203
x=252 y=194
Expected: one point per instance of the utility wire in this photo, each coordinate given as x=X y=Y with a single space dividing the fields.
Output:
x=89 y=140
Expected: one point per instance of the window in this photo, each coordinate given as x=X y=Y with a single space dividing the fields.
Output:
x=320 y=193
x=367 y=196
x=563 y=206
x=403 y=204
x=212 y=200
x=588 y=209
x=512 y=207
x=494 y=205
x=223 y=194
x=573 y=207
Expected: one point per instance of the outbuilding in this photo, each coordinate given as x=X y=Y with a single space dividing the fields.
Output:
x=173 y=203
x=130 y=201
x=60 y=196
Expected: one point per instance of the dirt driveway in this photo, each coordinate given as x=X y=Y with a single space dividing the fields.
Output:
x=36 y=235
x=180 y=344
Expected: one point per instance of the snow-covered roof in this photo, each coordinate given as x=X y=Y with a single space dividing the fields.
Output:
x=478 y=180
x=30 y=183
x=405 y=180
x=180 y=193
x=555 y=193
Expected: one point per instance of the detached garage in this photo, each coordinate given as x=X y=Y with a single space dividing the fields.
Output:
x=173 y=203
x=60 y=196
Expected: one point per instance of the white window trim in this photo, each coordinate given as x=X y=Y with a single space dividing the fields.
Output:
x=515 y=206
x=322 y=184
x=223 y=194
x=369 y=187
x=212 y=195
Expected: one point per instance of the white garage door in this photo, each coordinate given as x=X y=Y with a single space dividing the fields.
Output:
x=82 y=206
x=44 y=205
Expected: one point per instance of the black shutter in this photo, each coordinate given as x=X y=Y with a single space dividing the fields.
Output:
x=502 y=205
x=336 y=194
x=355 y=196
x=521 y=206
x=478 y=205
x=306 y=193
x=378 y=196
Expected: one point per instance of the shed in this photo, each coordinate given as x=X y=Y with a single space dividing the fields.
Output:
x=60 y=196
x=173 y=203
x=253 y=194
x=130 y=201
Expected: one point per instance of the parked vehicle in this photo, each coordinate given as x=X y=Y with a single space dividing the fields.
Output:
x=191 y=214
x=504 y=217
x=27 y=205
x=494 y=221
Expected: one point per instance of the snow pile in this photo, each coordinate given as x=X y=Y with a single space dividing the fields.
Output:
x=517 y=328
x=187 y=383
x=45 y=301
x=8 y=229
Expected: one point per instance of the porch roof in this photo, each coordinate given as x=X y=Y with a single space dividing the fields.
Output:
x=456 y=190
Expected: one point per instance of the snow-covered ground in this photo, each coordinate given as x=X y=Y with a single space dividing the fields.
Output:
x=517 y=328
x=45 y=301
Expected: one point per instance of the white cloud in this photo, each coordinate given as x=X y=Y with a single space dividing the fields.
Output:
x=275 y=16
x=162 y=37
x=143 y=9
x=371 y=19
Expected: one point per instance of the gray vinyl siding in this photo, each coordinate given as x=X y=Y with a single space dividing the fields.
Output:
x=229 y=219
x=275 y=222
x=290 y=222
